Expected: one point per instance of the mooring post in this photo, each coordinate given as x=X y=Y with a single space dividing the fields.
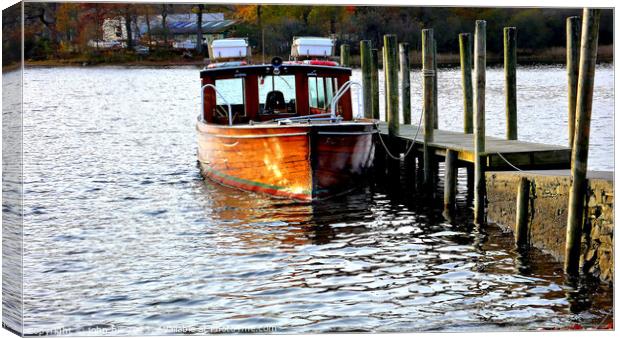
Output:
x=435 y=102
x=374 y=79
x=419 y=174
x=579 y=162
x=391 y=56
x=480 y=51
x=573 y=29
x=510 y=75
x=435 y=92
x=428 y=87
x=449 y=188
x=366 y=60
x=522 y=219
x=410 y=168
x=385 y=97
x=345 y=53
x=405 y=84
x=468 y=105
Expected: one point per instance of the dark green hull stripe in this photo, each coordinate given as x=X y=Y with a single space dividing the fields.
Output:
x=251 y=183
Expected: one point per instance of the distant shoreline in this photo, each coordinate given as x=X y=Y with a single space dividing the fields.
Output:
x=139 y=63
x=556 y=55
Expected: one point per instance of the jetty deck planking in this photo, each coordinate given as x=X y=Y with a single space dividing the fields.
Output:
x=524 y=155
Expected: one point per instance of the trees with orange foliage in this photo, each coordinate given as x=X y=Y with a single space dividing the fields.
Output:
x=326 y=18
x=90 y=21
x=50 y=25
x=67 y=24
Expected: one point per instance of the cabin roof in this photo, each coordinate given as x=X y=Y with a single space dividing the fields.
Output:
x=267 y=69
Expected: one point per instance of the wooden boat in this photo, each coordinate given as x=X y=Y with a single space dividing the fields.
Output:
x=285 y=129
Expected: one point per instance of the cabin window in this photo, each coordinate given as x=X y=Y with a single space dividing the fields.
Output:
x=321 y=91
x=329 y=90
x=276 y=94
x=233 y=91
x=320 y=88
x=312 y=92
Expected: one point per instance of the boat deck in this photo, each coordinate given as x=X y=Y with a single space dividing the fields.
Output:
x=524 y=155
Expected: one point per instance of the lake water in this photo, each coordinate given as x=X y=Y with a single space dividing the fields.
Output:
x=123 y=236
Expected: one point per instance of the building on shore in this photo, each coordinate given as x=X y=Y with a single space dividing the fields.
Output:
x=180 y=31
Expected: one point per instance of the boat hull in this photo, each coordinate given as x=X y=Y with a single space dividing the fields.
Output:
x=300 y=162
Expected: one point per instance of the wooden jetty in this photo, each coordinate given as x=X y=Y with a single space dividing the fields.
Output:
x=524 y=155
x=472 y=148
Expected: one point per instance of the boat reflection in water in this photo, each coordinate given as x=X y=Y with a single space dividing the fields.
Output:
x=283 y=223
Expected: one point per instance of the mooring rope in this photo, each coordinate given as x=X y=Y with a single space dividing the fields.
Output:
x=387 y=151
x=510 y=164
x=411 y=146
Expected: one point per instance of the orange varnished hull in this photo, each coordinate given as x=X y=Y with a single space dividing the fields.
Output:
x=300 y=162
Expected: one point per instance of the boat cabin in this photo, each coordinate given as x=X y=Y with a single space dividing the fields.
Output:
x=279 y=90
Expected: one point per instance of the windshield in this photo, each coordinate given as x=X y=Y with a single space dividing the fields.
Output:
x=278 y=88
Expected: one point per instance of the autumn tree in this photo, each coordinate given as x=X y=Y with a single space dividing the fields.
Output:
x=91 y=21
x=326 y=18
x=67 y=21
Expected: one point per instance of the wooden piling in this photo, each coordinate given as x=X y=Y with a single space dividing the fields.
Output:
x=410 y=164
x=468 y=106
x=470 y=183
x=366 y=60
x=579 y=163
x=573 y=29
x=405 y=84
x=435 y=92
x=522 y=219
x=449 y=188
x=428 y=87
x=374 y=79
x=510 y=76
x=419 y=174
x=435 y=99
x=479 y=130
x=391 y=56
x=385 y=97
x=345 y=55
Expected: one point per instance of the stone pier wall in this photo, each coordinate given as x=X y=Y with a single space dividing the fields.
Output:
x=549 y=212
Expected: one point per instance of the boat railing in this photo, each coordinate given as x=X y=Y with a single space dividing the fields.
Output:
x=202 y=101
x=305 y=118
x=346 y=86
